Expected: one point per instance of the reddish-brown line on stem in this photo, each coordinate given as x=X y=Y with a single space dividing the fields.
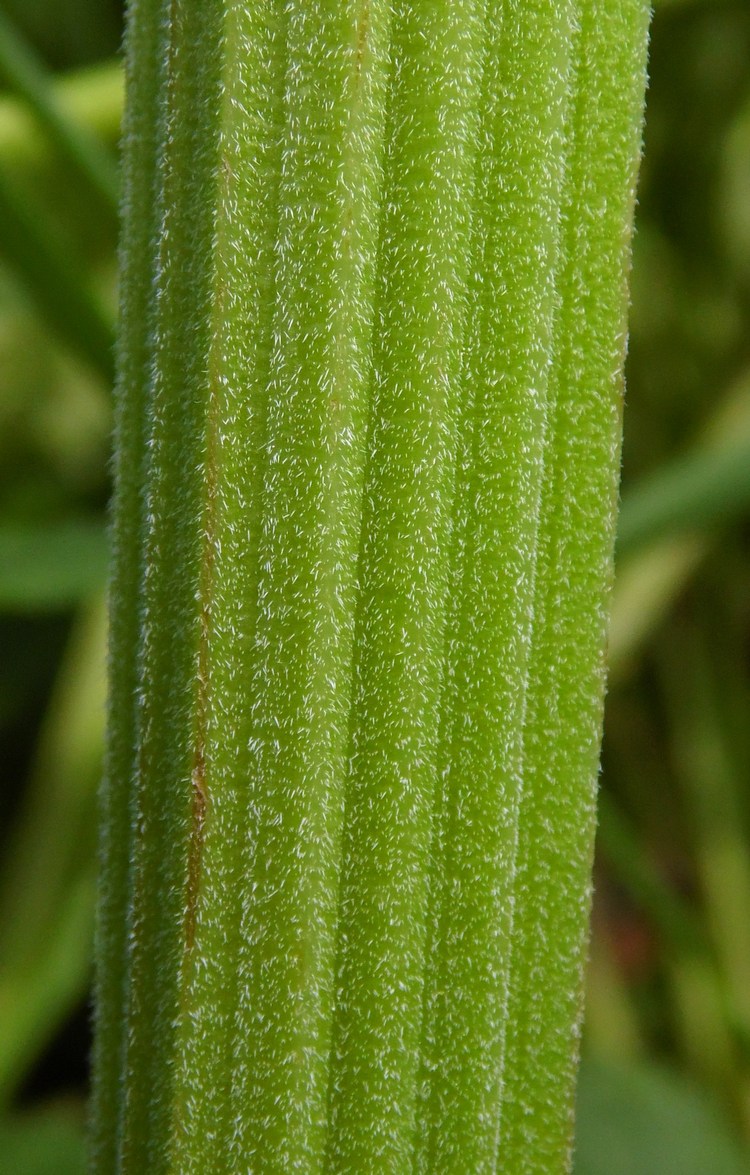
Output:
x=200 y=794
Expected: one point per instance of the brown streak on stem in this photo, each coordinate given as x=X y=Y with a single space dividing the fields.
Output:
x=198 y=816
x=199 y=785
x=363 y=28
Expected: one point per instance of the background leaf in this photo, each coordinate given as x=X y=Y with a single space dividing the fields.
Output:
x=644 y=1119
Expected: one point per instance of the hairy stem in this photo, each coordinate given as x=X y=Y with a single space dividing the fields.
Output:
x=367 y=452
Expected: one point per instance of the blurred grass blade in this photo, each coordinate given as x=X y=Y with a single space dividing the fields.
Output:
x=55 y=281
x=47 y=880
x=705 y=1041
x=672 y=917
x=712 y=781
x=700 y=491
x=25 y=75
x=646 y=587
x=40 y=990
x=91 y=97
x=671 y=520
x=45 y=568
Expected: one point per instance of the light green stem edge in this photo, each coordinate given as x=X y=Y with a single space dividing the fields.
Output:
x=373 y=322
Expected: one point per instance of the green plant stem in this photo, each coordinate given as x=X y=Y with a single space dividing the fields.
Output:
x=501 y=468
x=373 y=324
x=296 y=618
x=566 y=676
x=141 y=131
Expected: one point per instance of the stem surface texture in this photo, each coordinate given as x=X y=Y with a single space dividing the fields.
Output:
x=374 y=293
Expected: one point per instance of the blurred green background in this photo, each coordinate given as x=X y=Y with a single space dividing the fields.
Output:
x=665 y=1084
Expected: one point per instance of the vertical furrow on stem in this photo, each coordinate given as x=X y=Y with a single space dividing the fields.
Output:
x=529 y=66
x=566 y=677
x=250 y=115
x=142 y=131
x=297 y=690
x=403 y=580
x=165 y=800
